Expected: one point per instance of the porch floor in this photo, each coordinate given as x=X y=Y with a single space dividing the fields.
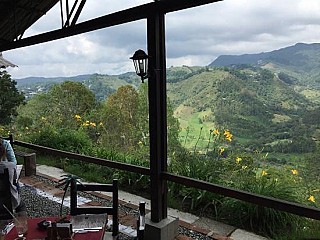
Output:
x=190 y=226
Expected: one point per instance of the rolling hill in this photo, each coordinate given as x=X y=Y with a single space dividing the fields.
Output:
x=254 y=103
x=300 y=62
x=268 y=100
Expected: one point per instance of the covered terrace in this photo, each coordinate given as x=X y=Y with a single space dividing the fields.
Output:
x=17 y=16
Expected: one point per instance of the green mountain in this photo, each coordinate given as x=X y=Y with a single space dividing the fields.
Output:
x=268 y=101
x=254 y=103
x=298 y=63
x=102 y=85
x=36 y=80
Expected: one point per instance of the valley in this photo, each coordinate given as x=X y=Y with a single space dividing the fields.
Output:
x=268 y=101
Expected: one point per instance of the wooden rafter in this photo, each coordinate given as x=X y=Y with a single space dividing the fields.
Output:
x=121 y=17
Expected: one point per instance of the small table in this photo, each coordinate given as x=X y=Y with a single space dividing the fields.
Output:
x=34 y=233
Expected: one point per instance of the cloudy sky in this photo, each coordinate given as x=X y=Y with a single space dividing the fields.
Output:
x=194 y=37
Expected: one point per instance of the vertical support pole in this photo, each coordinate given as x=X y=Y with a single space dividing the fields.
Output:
x=115 y=205
x=157 y=114
x=73 y=197
x=67 y=13
x=11 y=139
x=141 y=221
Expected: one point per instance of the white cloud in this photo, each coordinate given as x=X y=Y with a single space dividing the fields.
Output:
x=193 y=37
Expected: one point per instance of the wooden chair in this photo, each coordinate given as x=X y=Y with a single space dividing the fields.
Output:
x=77 y=210
x=5 y=196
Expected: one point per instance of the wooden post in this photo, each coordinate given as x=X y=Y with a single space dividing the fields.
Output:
x=30 y=164
x=73 y=197
x=157 y=114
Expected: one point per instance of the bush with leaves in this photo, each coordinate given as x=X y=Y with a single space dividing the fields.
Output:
x=250 y=172
x=269 y=182
x=76 y=141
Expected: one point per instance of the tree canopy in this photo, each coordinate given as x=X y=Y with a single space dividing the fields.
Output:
x=10 y=98
x=59 y=105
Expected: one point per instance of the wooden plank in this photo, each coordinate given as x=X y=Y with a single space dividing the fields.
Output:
x=121 y=17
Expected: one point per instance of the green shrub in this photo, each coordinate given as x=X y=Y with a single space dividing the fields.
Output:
x=128 y=179
x=266 y=221
x=63 y=139
x=198 y=167
x=270 y=182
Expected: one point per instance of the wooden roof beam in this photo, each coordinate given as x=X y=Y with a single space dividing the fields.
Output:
x=121 y=17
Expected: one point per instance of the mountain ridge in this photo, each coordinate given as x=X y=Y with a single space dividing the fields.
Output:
x=251 y=101
x=299 y=62
x=255 y=58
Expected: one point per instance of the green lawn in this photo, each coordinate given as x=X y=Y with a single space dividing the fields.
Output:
x=191 y=133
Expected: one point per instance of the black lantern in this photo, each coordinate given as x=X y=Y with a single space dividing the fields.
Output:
x=140 y=61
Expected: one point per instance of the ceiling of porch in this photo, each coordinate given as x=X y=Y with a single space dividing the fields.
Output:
x=18 y=15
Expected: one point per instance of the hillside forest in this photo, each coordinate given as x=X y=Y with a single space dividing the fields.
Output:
x=252 y=126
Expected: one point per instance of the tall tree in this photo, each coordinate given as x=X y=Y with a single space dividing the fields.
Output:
x=58 y=107
x=10 y=98
x=173 y=126
x=120 y=118
x=126 y=118
x=70 y=99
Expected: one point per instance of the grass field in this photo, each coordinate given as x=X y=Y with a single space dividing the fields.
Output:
x=195 y=130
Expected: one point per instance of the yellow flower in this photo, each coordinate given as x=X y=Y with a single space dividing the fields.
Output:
x=221 y=151
x=294 y=171
x=77 y=117
x=43 y=119
x=216 y=132
x=312 y=199
x=86 y=123
x=238 y=159
x=244 y=167
x=100 y=124
x=228 y=135
x=92 y=124
x=264 y=173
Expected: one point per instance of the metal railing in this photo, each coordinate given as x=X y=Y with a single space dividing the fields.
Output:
x=286 y=206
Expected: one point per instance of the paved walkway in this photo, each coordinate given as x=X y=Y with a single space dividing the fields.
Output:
x=208 y=227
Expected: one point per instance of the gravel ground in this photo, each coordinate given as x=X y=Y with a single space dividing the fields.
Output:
x=39 y=206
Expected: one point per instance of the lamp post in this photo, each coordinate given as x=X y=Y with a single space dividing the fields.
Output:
x=140 y=61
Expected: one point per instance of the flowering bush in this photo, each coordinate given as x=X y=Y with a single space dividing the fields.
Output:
x=75 y=141
x=225 y=165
